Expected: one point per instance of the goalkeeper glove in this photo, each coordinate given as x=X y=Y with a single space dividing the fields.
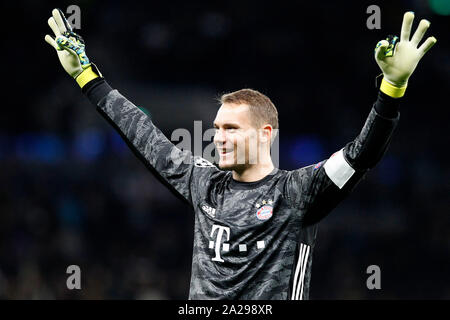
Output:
x=71 y=50
x=398 y=60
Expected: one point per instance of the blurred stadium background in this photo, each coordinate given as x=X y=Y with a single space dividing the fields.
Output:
x=72 y=193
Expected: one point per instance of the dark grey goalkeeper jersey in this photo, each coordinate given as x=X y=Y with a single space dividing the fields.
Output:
x=251 y=240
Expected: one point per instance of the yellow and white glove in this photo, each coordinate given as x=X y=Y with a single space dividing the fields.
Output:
x=399 y=60
x=70 y=49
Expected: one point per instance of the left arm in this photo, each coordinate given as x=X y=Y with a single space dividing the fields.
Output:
x=318 y=189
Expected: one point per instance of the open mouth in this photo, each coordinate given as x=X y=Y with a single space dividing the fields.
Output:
x=225 y=151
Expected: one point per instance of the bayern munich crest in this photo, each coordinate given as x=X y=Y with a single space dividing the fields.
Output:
x=264 y=210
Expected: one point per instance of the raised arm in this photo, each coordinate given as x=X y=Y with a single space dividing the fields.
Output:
x=179 y=170
x=319 y=188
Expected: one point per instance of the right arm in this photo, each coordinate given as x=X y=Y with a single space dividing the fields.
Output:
x=175 y=168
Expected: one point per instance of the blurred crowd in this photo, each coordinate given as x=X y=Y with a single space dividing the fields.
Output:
x=71 y=193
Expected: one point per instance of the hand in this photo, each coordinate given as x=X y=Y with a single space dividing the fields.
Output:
x=398 y=67
x=69 y=45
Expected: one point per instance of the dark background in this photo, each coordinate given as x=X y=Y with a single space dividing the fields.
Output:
x=72 y=193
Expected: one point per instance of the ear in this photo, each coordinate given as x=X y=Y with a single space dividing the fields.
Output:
x=265 y=133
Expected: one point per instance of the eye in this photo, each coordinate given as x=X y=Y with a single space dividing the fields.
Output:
x=231 y=128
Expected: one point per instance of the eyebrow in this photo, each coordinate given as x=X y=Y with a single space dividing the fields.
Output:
x=235 y=124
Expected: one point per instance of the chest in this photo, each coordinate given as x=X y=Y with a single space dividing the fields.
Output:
x=245 y=210
x=243 y=225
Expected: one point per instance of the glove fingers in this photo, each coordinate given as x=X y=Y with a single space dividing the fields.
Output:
x=52 y=23
x=408 y=18
x=421 y=29
x=52 y=42
x=380 y=50
x=427 y=45
x=61 y=20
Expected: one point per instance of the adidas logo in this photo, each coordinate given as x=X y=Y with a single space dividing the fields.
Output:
x=209 y=211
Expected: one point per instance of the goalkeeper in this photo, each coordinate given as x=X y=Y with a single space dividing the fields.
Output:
x=255 y=225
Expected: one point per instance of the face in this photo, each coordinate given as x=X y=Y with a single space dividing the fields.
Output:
x=236 y=137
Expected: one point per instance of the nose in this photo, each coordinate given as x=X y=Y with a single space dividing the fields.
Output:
x=219 y=137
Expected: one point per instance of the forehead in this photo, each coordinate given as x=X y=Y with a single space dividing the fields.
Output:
x=233 y=113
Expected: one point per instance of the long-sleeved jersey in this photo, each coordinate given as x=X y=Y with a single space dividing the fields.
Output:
x=252 y=240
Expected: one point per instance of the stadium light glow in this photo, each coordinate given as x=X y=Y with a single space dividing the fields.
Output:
x=441 y=7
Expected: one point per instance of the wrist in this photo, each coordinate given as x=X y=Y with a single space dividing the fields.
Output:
x=394 y=90
x=386 y=106
x=86 y=76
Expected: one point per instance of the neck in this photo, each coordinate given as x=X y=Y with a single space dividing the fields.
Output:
x=253 y=172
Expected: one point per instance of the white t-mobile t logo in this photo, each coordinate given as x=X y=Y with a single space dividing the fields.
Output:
x=226 y=246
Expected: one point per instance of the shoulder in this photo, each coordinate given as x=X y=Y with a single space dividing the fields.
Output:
x=304 y=172
x=200 y=162
x=207 y=170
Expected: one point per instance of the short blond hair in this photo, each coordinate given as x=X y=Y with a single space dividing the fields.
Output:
x=261 y=108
